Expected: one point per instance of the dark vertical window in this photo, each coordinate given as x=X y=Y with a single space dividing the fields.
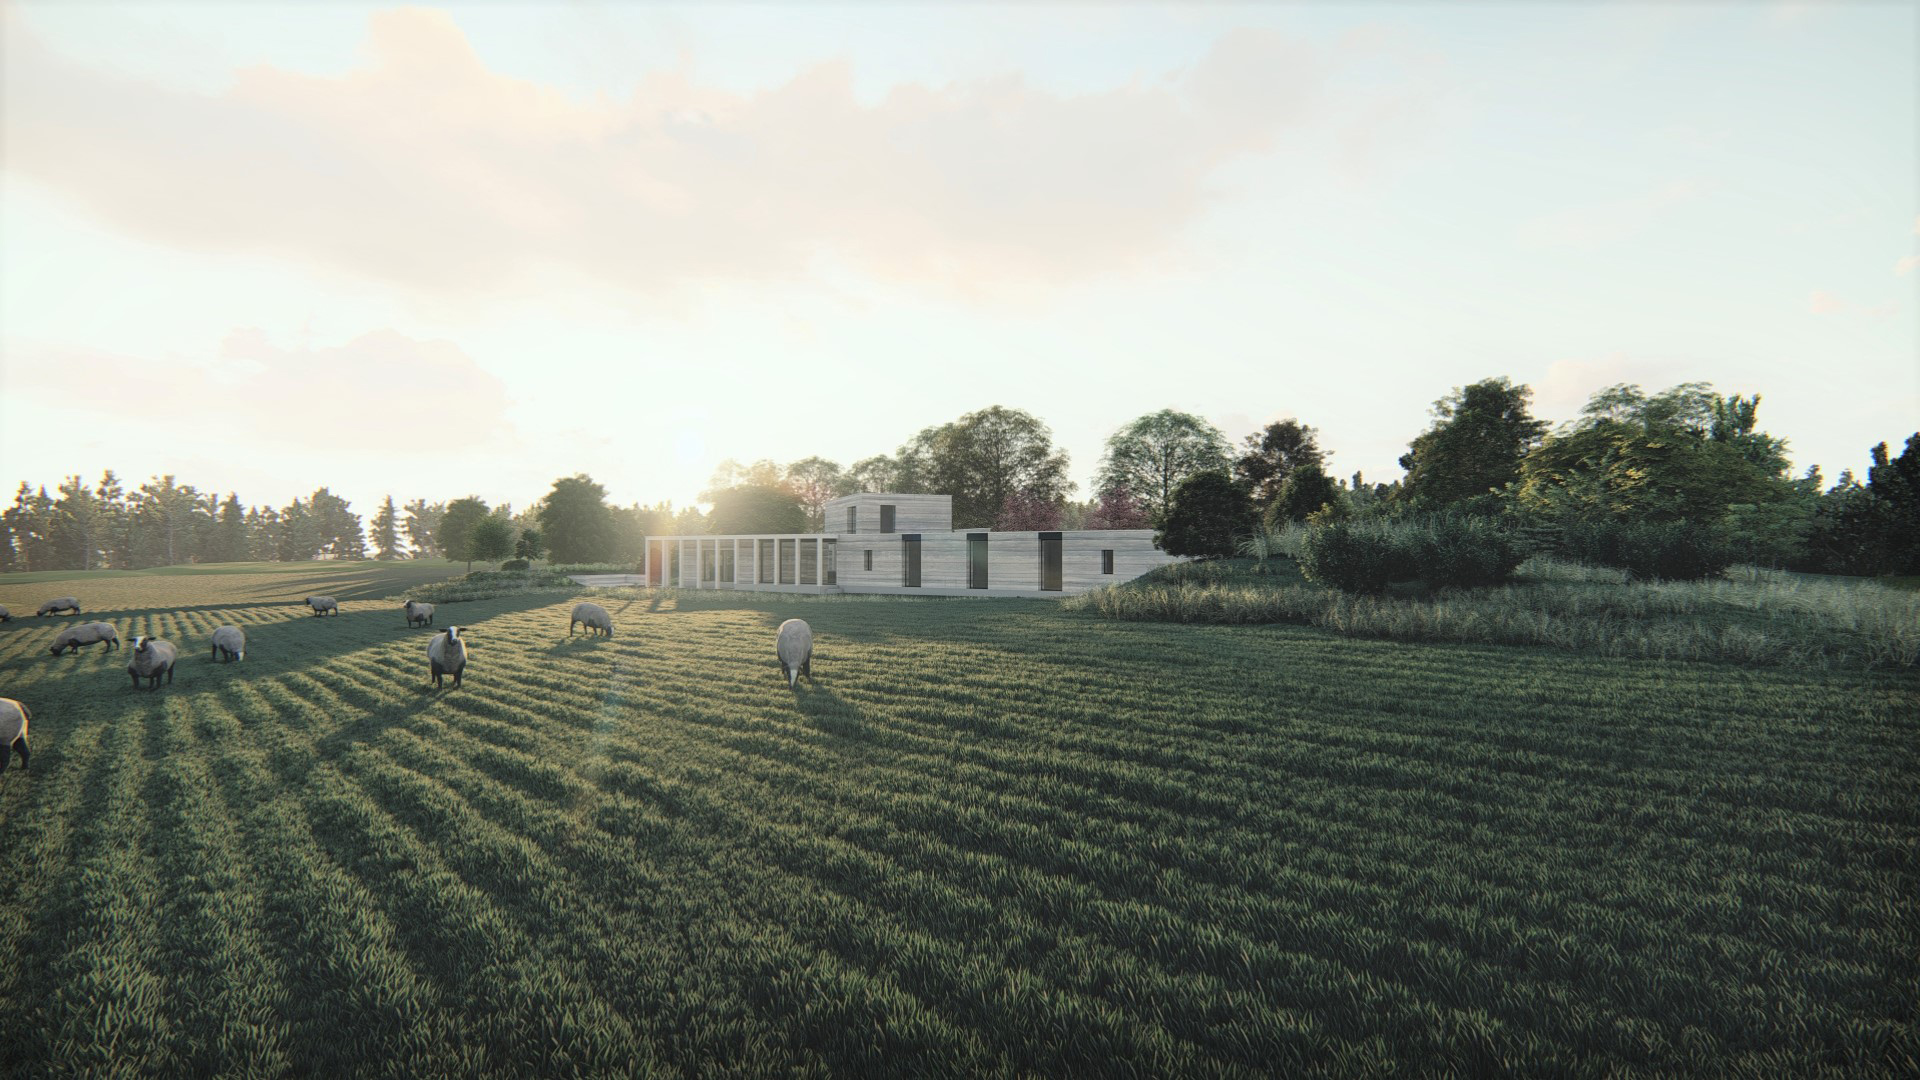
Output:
x=910 y=550
x=673 y=564
x=766 y=562
x=809 y=562
x=726 y=561
x=976 y=560
x=786 y=562
x=1106 y=561
x=709 y=557
x=1050 y=562
x=867 y=563
x=853 y=519
x=829 y=574
x=886 y=519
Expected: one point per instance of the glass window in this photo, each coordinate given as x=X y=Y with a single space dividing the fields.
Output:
x=976 y=560
x=867 y=563
x=828 y=573
x=809 y=564
x=910 y=549
x=766 y=562
x=726 y=561
x=886 y=519
x=1050 y=562
x=786 y=562
x=1106 y=561
x=709 y=559
x=853 y=519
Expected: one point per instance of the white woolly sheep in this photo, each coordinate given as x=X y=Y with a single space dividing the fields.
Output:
x=60 y=603
x=323 y=604
x=152 y=658
x=5 y=615
x=13 y=732
x=794 y=646
x=419 y=614
x=593 y=617
x=229 y=643
x=79 y=637
x=447 y=655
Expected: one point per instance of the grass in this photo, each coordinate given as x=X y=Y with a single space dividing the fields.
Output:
x=1751 y=616
x=993 y=837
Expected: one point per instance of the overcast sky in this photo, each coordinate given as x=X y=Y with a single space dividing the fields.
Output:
x=435 y=251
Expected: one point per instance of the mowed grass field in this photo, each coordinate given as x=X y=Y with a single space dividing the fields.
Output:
x=994 y=837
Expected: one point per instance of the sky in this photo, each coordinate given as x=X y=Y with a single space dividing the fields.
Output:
x=465 y=249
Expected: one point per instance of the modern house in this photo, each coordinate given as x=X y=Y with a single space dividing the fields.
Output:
x=904 y=544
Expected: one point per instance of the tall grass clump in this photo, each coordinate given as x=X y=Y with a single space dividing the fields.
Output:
x=1358 y=556
x=1444 y=550
x=1662 y=550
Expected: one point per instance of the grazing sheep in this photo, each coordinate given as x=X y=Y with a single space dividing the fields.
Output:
x=152 y=658
x=794 y=646
x=229 y=643
x=593 y=617
x=447 y=655
x=323 y=604
x=79 y=637
x=5 y=615
x=419 y=614
x=60 y=603
x=13 y=732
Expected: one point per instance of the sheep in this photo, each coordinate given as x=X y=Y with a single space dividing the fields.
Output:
x=152 y=658
x=60 y=603
x=230 y=643
x=78 y=637
x=5 y=615
x=593 y=617
x=323 y=604
x=13 y=732
x=794 y=646
x=419 y=614
x=447 y=655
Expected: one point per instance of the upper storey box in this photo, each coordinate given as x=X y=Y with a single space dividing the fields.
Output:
x=886 y=512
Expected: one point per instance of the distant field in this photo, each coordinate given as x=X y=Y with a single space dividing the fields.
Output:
x=994 y=837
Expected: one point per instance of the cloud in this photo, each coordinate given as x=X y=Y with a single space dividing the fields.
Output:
x=1906 y=264
x=1822 y=302
x=367 y=395
x=422 y=166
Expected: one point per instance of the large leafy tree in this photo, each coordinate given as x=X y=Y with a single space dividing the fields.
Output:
x=1685 y=453
x=489 y=540
x=815 y=481
x=1116 y=508
x=423 y=523
x=577 y=521
x=756 y=508
x=981 y=459
x=459 y=519
x=1209 y=515
x=340 y=532
x=1151 y=455
x=1272 y=453
x=1308 y=488
x=1480 y=434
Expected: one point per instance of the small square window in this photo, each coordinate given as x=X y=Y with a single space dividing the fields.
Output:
x=1106 y=561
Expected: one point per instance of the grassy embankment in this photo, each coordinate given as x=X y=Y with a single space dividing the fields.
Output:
x=994 y=836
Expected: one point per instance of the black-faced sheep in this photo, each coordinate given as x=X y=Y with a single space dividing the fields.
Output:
x=79 y=637
x=13 y=732
x=593 y=617
x=447 y=655
x=419 y=614
x=794 y=646
x=229 y=643
x=60 y=603
x=323 y=604
x=152 y=658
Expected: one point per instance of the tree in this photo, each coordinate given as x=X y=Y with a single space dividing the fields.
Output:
x=340 y=533
x=164 y=514
x=1153 y=454
x=489 y=540
x=1028 y=511
x=755 y=508
x=1479 y=436
x=980 y=459
x=1896 y=483
x=423 y=525
x=77 y=526
x=1116 y=508
x=1307 y=489
x=299 y=533
x=386 y=531
x=730 y=473
x=1209 y=515
x=116 y=522
x=231 y=534
x=456 y=523
x=875 y=473
x=1272 y=453
x=577 y=521
x=530 y=546
x=815 y=481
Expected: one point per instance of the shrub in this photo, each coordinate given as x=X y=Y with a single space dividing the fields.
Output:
x=1465 y=551
x=1667 y=550
x=1358 y=556
x=1209 y=515
x=514 y=564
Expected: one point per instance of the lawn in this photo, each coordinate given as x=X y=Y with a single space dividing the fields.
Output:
x=995 y=836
